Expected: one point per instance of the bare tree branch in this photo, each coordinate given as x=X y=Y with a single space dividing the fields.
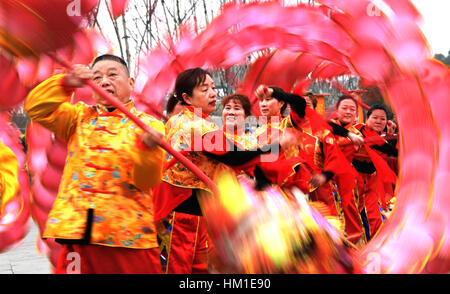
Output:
x=116 y=30
x=126 y=38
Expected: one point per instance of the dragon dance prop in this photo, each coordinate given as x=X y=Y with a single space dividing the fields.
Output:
x=274 y=231
x=45 y=162
x=326 y=40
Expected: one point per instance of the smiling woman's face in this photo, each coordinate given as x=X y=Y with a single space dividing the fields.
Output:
x=114 y=78
x=233 y=114
x=346 y=111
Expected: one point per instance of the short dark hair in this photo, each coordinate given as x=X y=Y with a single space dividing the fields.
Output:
x=243 y=99
x=285 y=105
x=113 y=58
x=171 y=103
x=312 y=97
x=378 y=106
x=187 y=80
x=344 y=97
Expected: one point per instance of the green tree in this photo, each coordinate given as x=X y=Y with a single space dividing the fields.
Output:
x=444 y=59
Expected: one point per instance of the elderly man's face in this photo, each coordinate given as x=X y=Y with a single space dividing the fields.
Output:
x=114 y=78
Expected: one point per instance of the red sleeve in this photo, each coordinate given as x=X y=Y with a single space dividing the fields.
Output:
x=385 y=175
x=334 y=160
x=331 y=154
x=167 y=197
x=277 y=172
x=375 y=138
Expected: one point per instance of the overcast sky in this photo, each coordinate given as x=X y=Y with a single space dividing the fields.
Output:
x=436 y=26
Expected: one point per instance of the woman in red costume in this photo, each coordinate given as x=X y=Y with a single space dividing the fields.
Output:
x=349 y=140
x=377 y=176
x=312 y=141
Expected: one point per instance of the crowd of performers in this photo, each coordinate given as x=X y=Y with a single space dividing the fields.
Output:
x=126 y=206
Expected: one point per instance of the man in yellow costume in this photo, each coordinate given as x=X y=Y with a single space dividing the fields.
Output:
x=104 y=209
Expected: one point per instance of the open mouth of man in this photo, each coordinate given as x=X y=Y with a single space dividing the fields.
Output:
x=110 y=91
